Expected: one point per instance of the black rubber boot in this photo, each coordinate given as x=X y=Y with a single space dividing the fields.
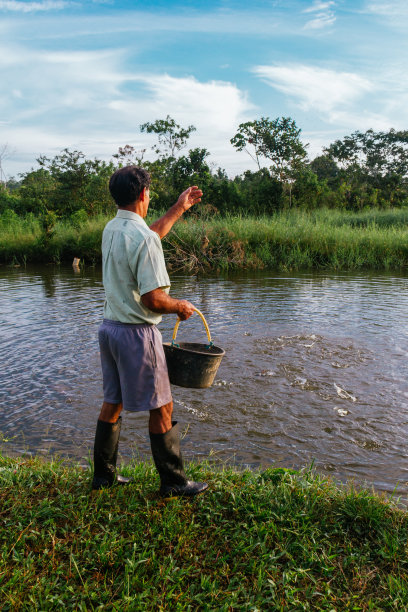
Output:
x=106 y=454
x=169 y=464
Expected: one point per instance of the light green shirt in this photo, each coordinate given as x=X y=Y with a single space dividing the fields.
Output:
x=132 y=265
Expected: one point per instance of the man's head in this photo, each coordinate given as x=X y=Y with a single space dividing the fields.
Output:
x=126 y=185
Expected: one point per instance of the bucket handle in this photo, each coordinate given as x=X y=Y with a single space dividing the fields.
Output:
x=207 y=329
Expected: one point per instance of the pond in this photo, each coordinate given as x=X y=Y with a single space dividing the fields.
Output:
x=315 y=370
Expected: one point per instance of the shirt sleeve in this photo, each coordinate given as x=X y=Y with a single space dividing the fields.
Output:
x=149 y=267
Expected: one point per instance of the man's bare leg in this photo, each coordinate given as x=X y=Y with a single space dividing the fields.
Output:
x=110 y=412
x=160 y=419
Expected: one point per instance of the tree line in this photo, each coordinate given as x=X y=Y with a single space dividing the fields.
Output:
x=361 y=171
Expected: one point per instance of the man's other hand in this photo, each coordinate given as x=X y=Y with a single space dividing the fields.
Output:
x=189 y=197
x=158 y=301
x=185 y=309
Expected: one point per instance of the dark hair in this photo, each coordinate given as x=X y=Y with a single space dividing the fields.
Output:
x=126 y=184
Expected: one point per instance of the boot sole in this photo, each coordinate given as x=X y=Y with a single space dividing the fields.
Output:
x=181 y=493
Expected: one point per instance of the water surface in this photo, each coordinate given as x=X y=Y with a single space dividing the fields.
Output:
x=315 y=370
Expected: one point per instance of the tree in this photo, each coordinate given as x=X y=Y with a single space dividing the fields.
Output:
x=13 y=184
x=278 y=141
x=251 y=133
x=172 y=137
x=37 y=191
x=5 y=153
x=191 y=169
x=8 y=201
x=308 y=191
x=260 y=193
x=325 y=169
x=376 y=160
x=67 y=183
x=129 y=156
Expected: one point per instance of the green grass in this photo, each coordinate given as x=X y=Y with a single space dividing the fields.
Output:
x=375 y=217
x=257 y=540
x=22 y=241
x=288 y=241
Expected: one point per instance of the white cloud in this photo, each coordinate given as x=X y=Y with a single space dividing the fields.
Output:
x=324 y=15
x=50 y=84
x=394 y=9
x=87 y=100
x=216 y=108
x=321 y=21
x=30 y=7
x=319 y=6
x=392 y=14
x=217 y=104
x=316 y=89
x=345 y=101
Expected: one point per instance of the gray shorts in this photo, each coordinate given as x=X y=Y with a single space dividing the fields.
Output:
x=134 y=368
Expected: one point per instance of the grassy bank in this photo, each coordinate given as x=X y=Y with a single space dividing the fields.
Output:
x=293 y=240
x=270 y=540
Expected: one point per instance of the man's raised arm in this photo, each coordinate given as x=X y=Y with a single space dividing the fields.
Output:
x=186 y=200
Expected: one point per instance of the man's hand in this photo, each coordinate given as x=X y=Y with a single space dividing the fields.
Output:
x=158 y=301
x=185 y=309
x=189 y=197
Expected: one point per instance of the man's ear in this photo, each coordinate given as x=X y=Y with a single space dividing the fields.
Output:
x=142 y=194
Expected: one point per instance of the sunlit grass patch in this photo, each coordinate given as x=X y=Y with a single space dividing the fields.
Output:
x=271 y=539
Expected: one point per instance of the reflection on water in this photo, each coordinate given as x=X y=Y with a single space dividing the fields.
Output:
x=316 y=369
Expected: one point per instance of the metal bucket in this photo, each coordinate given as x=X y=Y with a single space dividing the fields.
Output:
x=191 y=364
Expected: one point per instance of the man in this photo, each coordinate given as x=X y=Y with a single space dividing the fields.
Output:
x=133 y=363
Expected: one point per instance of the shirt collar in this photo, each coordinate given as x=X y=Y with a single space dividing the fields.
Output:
x=128 y=214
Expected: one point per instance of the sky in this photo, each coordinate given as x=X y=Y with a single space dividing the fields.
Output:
x=85 y=74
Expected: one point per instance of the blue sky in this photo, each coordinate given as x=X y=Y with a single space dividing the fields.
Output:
x=86 y=74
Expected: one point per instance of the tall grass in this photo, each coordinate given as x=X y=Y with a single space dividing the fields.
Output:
x=23 y=240
x=293 y=240
x=262 y=540
x=288 y=241
x=18 y=238
x=376 y=217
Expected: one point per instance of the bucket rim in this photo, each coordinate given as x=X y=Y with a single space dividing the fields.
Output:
x=216 y=351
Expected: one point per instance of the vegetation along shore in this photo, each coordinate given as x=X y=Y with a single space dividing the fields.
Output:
x=345 y=209
x=287 y=240
x=257 y=540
